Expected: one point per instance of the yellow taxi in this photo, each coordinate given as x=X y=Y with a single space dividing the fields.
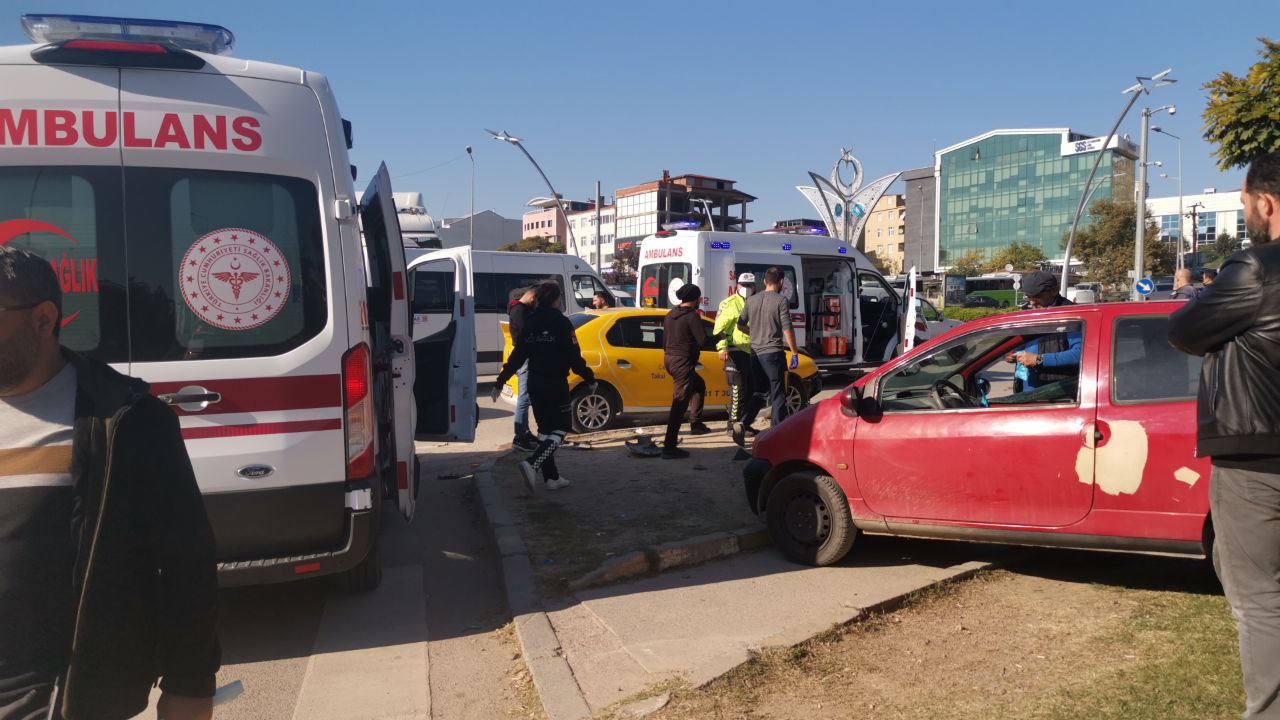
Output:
x=623 y=347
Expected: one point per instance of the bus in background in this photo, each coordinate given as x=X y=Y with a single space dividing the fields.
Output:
x=996 y=286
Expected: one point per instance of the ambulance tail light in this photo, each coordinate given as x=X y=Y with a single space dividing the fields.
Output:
x=357 y=408
x=123 y=32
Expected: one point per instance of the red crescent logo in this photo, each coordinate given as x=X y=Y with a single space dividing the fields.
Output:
x=10 y=229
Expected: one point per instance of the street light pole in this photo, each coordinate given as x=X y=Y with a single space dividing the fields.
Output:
x=471 y=221
x=1140 y=208
x=1181 y=260
x=598 y=263
x=1160 y=79
x=505 y=137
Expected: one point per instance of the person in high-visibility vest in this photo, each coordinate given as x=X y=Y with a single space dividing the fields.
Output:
x=734 y=346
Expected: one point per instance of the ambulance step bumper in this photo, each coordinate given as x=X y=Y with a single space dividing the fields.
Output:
x=265 y=571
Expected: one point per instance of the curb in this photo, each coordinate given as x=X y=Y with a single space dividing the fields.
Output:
x=669 y=556
x=558 y=690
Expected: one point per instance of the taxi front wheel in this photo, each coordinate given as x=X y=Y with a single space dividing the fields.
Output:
x=593 y=411
x=808 y=518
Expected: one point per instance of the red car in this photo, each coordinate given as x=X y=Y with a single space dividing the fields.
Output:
x=954 y=441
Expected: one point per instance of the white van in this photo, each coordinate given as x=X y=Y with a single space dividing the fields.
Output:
x=496 y=275
x=844 y=314
x=201 y=214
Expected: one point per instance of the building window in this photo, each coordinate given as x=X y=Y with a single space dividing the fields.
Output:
x=1208 y=231
x=1242 y=232
x=1169 y=230
x=890 y=232
x=878 y=231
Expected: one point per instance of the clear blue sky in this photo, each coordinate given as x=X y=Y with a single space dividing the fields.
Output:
x=759 y=92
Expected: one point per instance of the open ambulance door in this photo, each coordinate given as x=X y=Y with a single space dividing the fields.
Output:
x=390 y=332
x=445 y=385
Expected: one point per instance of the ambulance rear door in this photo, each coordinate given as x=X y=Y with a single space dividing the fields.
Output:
x=390 y=331
x=445 y=388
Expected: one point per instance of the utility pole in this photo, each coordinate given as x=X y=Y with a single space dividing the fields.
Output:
x=598 y=259
x=1195 y=232
x=1140 y=226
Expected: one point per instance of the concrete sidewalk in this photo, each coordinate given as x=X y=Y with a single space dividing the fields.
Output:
x=590 y=649
x=699 y=623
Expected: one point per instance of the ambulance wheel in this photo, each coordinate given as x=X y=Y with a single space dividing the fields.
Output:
x=594 y=411
x=808 y=519
x=367 y=575
x=796 y=399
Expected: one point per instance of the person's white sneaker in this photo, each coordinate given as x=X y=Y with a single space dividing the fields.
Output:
x=530 y=475
x=560 y=482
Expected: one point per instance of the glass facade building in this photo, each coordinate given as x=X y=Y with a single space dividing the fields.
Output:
x=1020 y=186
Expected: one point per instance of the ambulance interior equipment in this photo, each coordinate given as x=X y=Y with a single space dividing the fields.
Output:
x=201 y=216
x=843 y=312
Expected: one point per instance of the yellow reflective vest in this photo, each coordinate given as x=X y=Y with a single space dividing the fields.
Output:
x=728 y=336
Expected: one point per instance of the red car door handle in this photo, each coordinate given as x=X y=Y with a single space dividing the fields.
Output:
x=1098 y=432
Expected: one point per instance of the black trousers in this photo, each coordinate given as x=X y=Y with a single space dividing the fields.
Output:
x=689 y=395
x=741 y=373
x=550 y=399
x=774 y=367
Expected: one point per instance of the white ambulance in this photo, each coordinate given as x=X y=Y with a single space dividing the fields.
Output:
x=844 y=313
x=200 y=212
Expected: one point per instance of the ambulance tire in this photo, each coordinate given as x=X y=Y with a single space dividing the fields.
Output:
x=808 y=519
x=593 y=412
x=366 y=576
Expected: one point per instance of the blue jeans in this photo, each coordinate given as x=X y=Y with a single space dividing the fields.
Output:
x=522 y=401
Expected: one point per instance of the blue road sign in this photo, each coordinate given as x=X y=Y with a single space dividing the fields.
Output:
x=1145 y=286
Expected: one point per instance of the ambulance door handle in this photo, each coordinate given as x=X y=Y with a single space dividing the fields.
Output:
x=191 y=398
x=624 y=364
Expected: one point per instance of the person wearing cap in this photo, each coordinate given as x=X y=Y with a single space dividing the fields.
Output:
x=734 y=347
x=1048 y=358
x=683 y=337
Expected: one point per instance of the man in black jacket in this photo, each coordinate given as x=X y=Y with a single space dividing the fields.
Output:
x=550 y=346
x=107 y=572
x=683 y=337
x=1235 y=325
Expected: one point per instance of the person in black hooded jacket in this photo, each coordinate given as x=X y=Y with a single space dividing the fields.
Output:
x=550 y=346
x=1235 y=324
x=683 y=336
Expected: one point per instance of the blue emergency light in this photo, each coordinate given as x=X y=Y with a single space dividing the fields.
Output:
x=198 y=37
x=786 y=247
x=686 y=225
x=843 y=250
x=719 y=246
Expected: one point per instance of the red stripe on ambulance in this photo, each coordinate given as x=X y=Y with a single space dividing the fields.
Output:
x=304 y=392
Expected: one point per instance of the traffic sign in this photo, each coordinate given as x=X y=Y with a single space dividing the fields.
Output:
x=1017 y=283
x=1144 y=287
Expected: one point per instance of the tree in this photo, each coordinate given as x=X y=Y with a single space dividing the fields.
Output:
x=1226 y=245
x=625 y=261
x=1242 y=116
x=1105 y=246
x=880 y=263
x=535 y=243
x=1019 y=254
x=968 y=264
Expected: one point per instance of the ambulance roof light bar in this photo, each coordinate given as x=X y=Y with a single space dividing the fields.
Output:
x=198 y=37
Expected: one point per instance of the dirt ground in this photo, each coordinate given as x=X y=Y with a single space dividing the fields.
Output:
x=619 y=503
x=1062 y=635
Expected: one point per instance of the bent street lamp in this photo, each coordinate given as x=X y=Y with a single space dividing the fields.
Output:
x=1160 y=79
x=505 y=137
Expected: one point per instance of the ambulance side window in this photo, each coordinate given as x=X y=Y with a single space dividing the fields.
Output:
x=72 y=217
x=432 y=290
x=788 y=279
x=222 y=264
